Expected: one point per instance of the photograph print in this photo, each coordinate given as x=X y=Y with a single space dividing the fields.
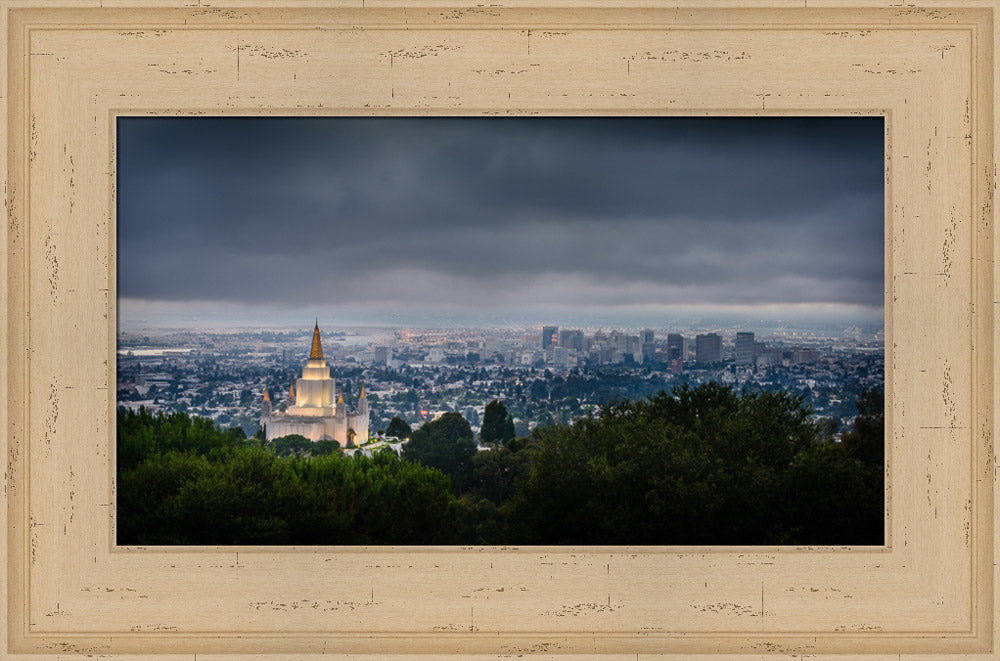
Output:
x=500 y=331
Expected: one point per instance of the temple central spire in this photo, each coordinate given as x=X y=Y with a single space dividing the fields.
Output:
x=316 y=352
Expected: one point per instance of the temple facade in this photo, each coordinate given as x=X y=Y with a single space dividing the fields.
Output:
x=316 y=409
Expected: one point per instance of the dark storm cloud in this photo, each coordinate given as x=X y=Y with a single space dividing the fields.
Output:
x=502 y=212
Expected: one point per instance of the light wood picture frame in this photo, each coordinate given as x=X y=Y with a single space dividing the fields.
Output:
x=71 y=67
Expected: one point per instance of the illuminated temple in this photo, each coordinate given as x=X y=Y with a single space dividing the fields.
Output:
x=316 y=409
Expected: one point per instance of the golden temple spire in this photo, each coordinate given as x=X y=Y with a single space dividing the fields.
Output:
x=363 y=391
x=340 y=396
x=316 y=352
x=267 y=395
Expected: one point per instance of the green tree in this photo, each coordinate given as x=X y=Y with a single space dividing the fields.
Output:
x=292 y=445
x=702 y=465
x=865 y=440
x=446 y=444
x=482 y=521
x=188 y=482
x=144 y=513
x=398 y=428
x=497 y=473
x=232 y=501
x=142 y=434
x=837 y=490
x=832 y=498
x=509 y=431
x=494 y=422
x=324 y=447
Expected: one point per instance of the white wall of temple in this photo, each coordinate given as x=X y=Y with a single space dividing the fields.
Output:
x=316 y=370
x=314 y=392
x=331 y=427
x=277 y=428
x=311 y=411
x=335 y=427
x=359 y=423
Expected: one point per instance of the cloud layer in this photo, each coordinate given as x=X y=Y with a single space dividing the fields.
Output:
x=501 y=216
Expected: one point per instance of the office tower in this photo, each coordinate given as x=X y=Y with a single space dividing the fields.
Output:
x=675 y=346
x=744 y=348
x=571 y=339
x=708 y=348
x=633 y=347
x=549 y=335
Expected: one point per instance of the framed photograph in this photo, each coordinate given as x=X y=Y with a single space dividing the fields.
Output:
x=740 y=319
x=75 y=74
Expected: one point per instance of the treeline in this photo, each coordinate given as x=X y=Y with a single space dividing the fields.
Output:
x=704 y=464
x=182 y=481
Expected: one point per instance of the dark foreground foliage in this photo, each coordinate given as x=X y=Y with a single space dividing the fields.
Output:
x=196 y=485
x=702 y=465
x=705 y=465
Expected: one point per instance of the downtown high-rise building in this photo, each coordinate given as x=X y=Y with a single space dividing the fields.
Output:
x=633 y=348
x=744 y=348
x=549 y=336
x=383 y=355
x=675 y=346
x=571 y=339
x=708 y=348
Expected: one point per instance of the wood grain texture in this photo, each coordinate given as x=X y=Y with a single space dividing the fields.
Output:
x=70 y=68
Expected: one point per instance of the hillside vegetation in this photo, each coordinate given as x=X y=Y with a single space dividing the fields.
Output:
x=701 y=465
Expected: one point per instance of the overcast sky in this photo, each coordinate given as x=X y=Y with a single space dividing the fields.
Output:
x=588 y=221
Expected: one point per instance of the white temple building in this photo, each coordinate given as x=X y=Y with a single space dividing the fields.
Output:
x=318 y=411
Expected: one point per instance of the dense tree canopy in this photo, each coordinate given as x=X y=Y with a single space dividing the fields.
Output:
x=398 y=428
x=446 y=444
x=324 y=447
x=293 y=445
x=703 y=464
x=195 y=484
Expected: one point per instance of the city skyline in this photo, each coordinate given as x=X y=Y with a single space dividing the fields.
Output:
x=490 y=222
x=225 y=375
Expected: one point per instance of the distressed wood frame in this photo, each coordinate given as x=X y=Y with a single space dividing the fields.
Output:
x=70 y=67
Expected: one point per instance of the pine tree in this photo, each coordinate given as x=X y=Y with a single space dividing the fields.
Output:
x=494 y=423
x=398 y=428
x=508 y=429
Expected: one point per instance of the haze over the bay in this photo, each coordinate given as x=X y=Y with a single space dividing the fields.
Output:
x=491 y=222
